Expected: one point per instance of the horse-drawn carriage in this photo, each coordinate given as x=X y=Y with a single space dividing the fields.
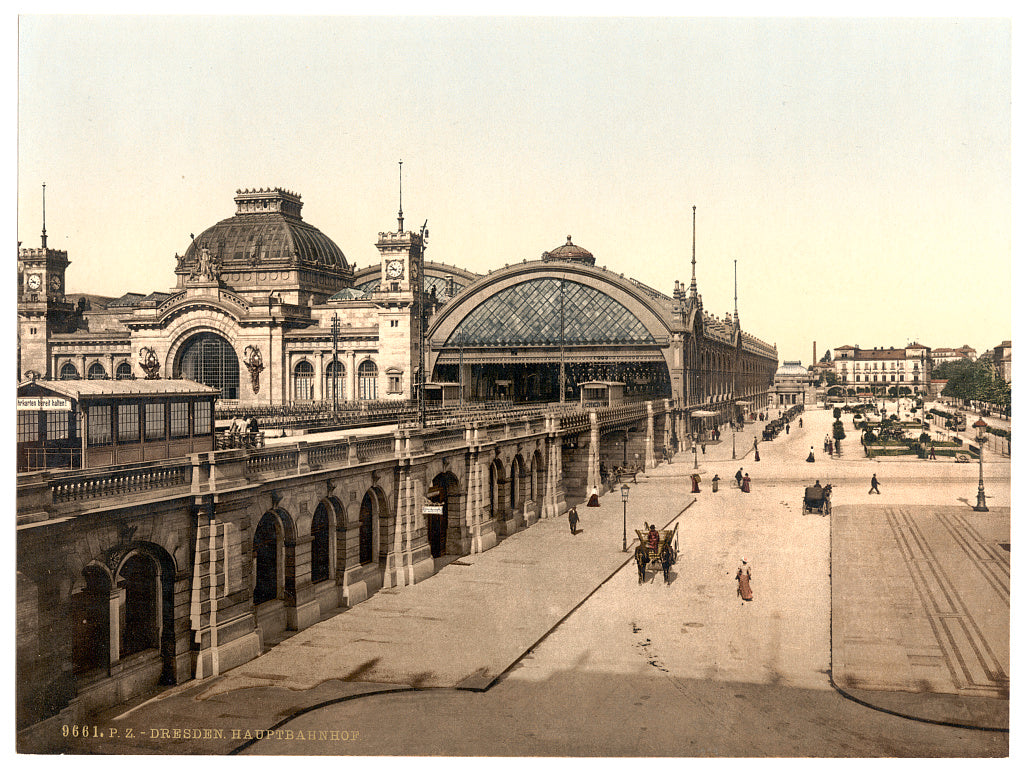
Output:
x=648 y=554
x=818 y=498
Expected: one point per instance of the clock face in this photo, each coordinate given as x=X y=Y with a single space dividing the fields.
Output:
x=395 y=270
x=34 y=281
x=55 y=283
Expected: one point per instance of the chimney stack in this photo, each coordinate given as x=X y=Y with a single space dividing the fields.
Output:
x=814 y=357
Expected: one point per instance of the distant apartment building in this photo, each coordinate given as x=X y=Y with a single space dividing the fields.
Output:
x=880 y=367
x=1001 y=361
x=942 y=355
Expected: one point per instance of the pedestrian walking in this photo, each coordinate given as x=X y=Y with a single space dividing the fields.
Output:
x=703 y=449
x=787 y=428
x=739 y=477
x=810 y=457
x=801 y=422
x=574 y=519
x=931 y=453
x=694 y=483
x=874 y=485
x=714 y=483
x=757 y=455
x=743 y=590
x=593 y=502
x=745 y=485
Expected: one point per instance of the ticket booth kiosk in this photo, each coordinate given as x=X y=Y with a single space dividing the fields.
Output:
x=601 y=394
x=87 y=423
x=442 y=394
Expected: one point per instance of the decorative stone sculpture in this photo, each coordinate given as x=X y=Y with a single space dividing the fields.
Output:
x=150 y=362
x=254 y=362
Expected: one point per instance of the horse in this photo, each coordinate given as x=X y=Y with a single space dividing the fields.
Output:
x=642 y=560
x=668 y=558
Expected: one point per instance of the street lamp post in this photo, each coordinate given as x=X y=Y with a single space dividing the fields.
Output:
x=625 y=499
x=980 y=427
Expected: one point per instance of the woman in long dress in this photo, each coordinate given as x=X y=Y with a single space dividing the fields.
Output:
x=593 y=501
x=743 y=579
x=745 y=486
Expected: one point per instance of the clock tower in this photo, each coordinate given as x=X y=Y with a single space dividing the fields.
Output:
x=399 y=300
x=42 y=306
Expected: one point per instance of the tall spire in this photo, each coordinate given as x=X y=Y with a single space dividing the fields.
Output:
x=44 y=216
x=693 y=277
x=735 y=297
x=401 y=220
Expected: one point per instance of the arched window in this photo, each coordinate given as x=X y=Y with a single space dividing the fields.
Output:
x=265 y=549
x=366 y=529
x=140 y=579
x=209 y=359
x=90 y=618
x=68 y=371
x=124 y=371
x=320 y=551
x=303 y=389
x=97 y=371
x=335 y=372
x=367 y=380
x=550 y=311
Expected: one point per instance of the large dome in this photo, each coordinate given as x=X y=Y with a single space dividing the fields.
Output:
x=569 y=252
x=266 y=232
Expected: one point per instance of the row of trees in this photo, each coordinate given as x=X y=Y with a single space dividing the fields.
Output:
x=974 y=381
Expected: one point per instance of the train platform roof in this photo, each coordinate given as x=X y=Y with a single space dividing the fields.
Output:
x=77 y=389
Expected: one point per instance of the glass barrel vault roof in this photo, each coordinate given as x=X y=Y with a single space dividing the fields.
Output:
x=531 y=313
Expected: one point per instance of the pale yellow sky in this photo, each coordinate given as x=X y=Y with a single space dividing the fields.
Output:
x=858 y=170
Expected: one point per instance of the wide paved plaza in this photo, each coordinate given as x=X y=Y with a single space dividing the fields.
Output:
x=880 y=630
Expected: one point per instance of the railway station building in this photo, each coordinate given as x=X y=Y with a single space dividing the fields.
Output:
x=266 y=308
x=176 y=568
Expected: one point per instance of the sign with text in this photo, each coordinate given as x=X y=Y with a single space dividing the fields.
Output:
x=44 y=404
x=433 y=510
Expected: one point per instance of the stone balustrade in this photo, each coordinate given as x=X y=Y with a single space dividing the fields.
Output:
x=45 y=494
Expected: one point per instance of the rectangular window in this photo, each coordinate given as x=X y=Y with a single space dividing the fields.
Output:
x=179 y=420
x=202 y=418
x=57 y=425
x=128 y=422
x=100 y=425
x=394 y=384
x=28 y=426
x=155 y=430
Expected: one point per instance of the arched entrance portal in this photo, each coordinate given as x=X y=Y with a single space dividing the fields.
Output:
x=209 y=359
x=444 y=491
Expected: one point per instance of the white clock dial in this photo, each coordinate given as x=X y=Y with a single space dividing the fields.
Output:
x=395 y=270
x=34 y=281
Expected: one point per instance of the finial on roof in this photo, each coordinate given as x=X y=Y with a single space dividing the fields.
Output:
x=735 y=296
x=44 y=216
x=693 y=261
x=400 y=218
